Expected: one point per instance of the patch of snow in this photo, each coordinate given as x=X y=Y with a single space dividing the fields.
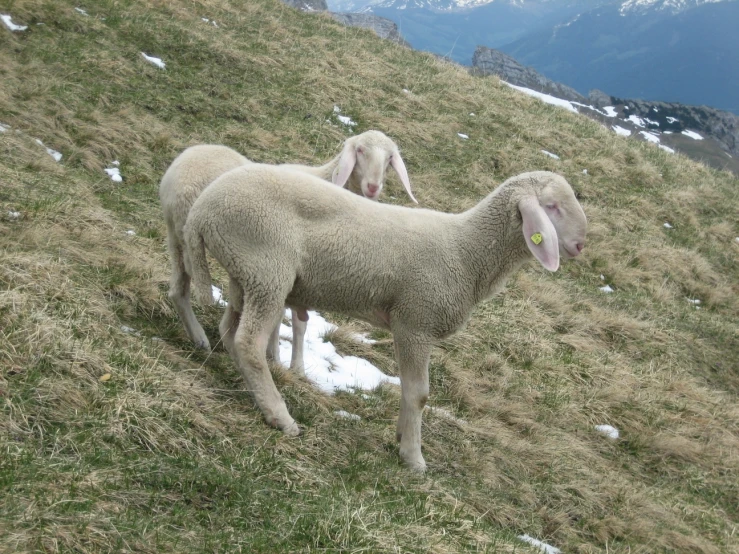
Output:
x=114 y=173
x=732 y=157
x=649 y=137
x=218 y=296
x=610 y=111
x=343 y=118
x=407 y=91
x=606 y=289
x=667 y=225
x=694 y=301
x=672 y=119
x=364 y=339
x=325 y=367
x=584 y=171
x=131 y=233
x=130 y=330
x=116 y=162
x=462 y=136
x=544 y=547
x=550 y=154
x=737 y=239
x=545 y=97
x=446 y=414
x=655 y=123
x=472 y=114
x=608 y=430
x=8 y=20
x=636 y=120
x=667 y=132
x=53 y=153
x=602 y=277
x=693 y=135
x=13 y=215
x=83 y=12
x=666 y=148
x=347 y=415
x=156 y=61
x=655 y=109
x=213 y=22
x=4 y=128
x=621 y=131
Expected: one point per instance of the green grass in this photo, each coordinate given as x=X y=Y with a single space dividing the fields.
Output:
x=170 y=455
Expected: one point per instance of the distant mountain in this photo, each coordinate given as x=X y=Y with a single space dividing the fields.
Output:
x=683 y=51
x=455 y=31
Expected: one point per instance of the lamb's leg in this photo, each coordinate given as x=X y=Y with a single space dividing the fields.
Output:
x=413 y=355
x=273 y=346
x=250 y=345
x=179 y=294
x=299 y=326
x=232 y=316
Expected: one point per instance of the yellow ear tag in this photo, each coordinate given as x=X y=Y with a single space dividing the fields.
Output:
x=536 y=238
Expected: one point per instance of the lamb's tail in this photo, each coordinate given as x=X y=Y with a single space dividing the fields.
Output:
x=197 y=265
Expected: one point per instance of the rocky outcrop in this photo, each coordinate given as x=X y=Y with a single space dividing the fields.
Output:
x=722 y=126
x=308 y=5
x=384 y=27
x=487 y=61
x=599 y=99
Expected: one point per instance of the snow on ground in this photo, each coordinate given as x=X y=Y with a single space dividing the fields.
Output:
x=462 y=136
x=607 y=288
x=667 y=148
x=550 y=154
x=4 y=127
x=655 y=123
x=130 y=330
x=610 y=111
x=13 y=214
x=81 y=11
x=636 y=120
x=211 y=21
x=672 y=119
x=693 y=135
x=53 y=153
x=694 y=301
x=667 y=225
x=544 y=547
x=156 y=61
x=325 y=367
x=131 y=233
x=114 y=172
x=343 y=118
x=649 y=137
x=218 y=296
x=608 y=430
x=8 y=20
x=545 y=97
x=621 y=131
x=347 y=415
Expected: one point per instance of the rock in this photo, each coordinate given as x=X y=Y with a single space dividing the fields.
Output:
x=308 y=5
x=599 y=99
x=384 y=27
x=487 y=61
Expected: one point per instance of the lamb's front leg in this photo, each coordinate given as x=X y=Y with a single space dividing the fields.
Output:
x=413 y=354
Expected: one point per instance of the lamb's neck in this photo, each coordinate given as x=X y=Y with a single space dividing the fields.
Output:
x=493 y=242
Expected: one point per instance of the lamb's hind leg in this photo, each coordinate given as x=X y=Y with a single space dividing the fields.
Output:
x=273 y=346
x=179 y=294
x=232 y=316
x=250 y=345
x=412 y=354
x=299 y=327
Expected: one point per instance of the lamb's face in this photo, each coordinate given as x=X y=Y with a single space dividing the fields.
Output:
x=371 y=166
x=566 y=214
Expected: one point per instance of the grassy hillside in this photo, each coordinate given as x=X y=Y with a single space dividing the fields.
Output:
x=116 y=437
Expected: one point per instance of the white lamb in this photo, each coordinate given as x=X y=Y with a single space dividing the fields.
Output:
x=286 y=238
x=360 y=167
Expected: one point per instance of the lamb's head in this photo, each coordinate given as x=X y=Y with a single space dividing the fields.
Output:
x=364 y=161
x=554 y=223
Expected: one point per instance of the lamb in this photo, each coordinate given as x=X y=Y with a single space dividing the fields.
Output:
x=287 y=238
x=360 y=167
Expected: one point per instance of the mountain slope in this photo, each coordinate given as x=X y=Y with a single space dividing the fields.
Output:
x=691 y=57
x=116 y=436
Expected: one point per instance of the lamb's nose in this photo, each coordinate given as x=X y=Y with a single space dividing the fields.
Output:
x=579 y=246
x=372 y=188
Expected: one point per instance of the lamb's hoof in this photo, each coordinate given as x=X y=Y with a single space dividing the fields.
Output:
x=292 y=430
x=203 y=344
x=298 y=370
x=414 y=463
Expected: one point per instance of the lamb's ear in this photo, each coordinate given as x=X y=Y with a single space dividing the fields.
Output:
x=397 y=162
x=540 y=234
x=347 y=161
